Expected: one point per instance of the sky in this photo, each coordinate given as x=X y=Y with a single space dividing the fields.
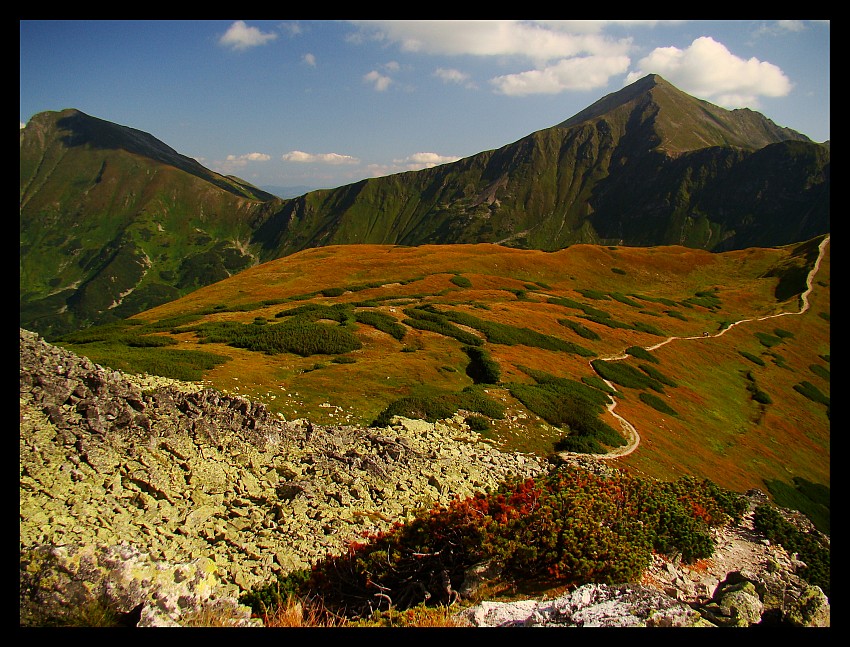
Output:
x=324 y=103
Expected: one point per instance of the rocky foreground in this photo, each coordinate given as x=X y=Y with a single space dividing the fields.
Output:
x=171 y=499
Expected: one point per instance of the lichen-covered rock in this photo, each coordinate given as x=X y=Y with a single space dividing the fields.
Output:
x=56 y=580
x=811 y=609
x=184 y=473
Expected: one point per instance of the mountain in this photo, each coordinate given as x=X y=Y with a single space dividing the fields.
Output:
x=647 y=165
x=114 y=221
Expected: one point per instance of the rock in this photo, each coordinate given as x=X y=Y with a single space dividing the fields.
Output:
x=811 y=609
x=185 y=471
x=591 y=605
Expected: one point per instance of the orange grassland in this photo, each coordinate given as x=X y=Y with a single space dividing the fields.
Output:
x=719 y=431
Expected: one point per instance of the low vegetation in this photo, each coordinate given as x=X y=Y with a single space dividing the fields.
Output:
x=568 y=527
x=441 y=406
x=299 y=337
x=572 y=406
x=810 y=549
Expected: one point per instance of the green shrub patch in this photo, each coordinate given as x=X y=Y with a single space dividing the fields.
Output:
x=809 y=548
x=441 y=406
x=482 y=368
x=812 y=392
x=642 y=353
x=383 y=322
x=498 y=333
x=564 y=402
x=571 y=525
x=579 y=329
x=461 y=281
x=767 y=339
x=299 y=337
x=755 y=359
x=625 y=375
x=657 y=403
x=655 y=374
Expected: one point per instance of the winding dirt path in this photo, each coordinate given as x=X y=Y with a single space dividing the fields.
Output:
x=632 y=436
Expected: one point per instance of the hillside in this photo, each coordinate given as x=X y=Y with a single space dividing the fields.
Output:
x=149 y=502
x=520 y=338
x=114 y=222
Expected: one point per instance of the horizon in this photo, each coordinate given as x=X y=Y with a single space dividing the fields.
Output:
x=322 y=104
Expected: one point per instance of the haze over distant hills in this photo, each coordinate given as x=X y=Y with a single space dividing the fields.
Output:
x=114 y=222
x=288 y=191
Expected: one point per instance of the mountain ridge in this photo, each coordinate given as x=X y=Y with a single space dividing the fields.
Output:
x=114 y=221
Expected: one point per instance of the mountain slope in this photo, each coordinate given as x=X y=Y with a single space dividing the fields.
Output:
x=347 y=334
x=642 y=166
x=114 y=221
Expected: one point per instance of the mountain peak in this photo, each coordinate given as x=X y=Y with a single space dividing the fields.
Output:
x=677 y=122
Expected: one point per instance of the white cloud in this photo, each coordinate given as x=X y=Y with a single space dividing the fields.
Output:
x=424 y=160
x=538 y=41
x=240 y=36
x=451 y=75
x=248 y=157
x=301 y=157
x=582 y=73
x=309 y=59
x=708 y=70
x=415 y=162
x=23 y=125
x=566 y=55
x=381 y=82
x=790 y=25
x=293 y=28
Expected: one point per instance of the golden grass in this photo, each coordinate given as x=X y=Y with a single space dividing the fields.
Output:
x=720 y=432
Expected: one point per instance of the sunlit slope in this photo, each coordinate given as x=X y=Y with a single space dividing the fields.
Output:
x=595 y=301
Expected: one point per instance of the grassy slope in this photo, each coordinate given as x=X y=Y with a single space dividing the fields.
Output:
x=719 y=433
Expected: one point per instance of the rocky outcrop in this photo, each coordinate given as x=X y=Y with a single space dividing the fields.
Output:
x=180 y=473
x=165 y=500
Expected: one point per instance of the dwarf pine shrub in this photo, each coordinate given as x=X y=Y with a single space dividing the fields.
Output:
x=570 y=525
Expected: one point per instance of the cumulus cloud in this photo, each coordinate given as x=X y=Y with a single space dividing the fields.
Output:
x=708 y=70
x=528 y=39
x=380 y=81
x=415 y=162
x=451 y=75
x=247 y=157
x=301 y=157
x=239 y=36
x=23 y=125
x=309 y=59
x=564 y=55
x=424 y=160
x=583 y=73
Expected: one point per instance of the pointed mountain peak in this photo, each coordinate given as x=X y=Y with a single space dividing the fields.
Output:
x=675 y=122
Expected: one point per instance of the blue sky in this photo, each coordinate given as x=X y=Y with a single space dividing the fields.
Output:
x=321 y=104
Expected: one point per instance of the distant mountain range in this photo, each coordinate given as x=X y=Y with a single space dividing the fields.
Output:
x=114 y=222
